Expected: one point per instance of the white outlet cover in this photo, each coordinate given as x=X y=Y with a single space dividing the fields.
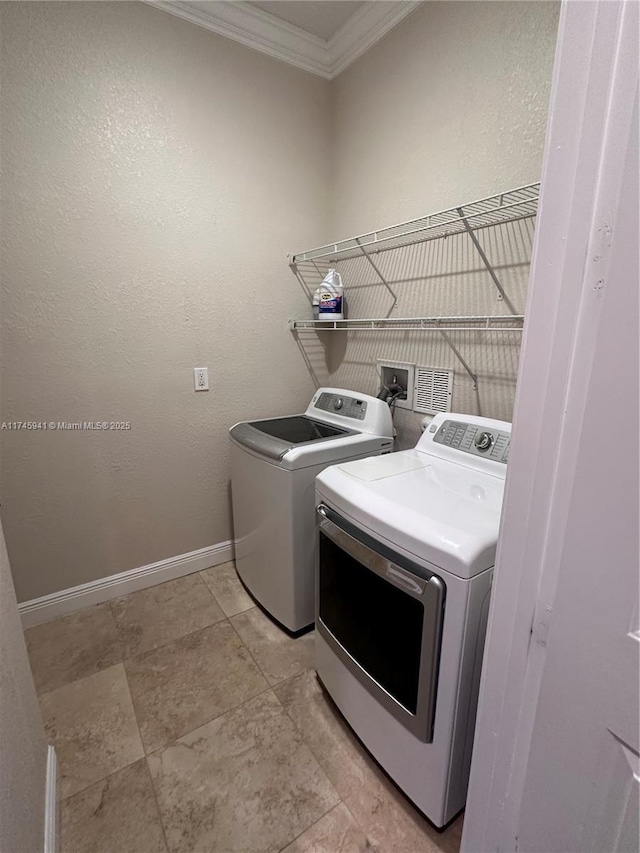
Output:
x=201 y=378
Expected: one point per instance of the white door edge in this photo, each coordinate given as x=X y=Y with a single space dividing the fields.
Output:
x=591 y=103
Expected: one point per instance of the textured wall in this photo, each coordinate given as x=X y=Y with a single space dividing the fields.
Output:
x=448 y=108
x=22 y=741
x=451 y=106
x=154 y=176
x=23 y=748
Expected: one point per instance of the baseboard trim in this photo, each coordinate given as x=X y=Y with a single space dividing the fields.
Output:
x=49 y=607
x=51 y=803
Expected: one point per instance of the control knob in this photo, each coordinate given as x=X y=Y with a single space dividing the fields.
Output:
x=483 y=440
x=338 y=404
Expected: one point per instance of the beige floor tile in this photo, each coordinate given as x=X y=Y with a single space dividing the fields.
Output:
x=155 y=616
x=243 y=783
x=224 y=584
x=449 y=840
x=393 y=824
x=390 y=821
x=72 y=647
x=187 y=682
x=340 y=754
x=117 y=815
x=92 y=725
x=336 y=832
x=279 y=656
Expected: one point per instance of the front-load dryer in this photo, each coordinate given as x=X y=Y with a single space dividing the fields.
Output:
x=405 y=560
x=274 y=464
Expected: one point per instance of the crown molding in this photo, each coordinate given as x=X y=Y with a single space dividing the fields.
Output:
x=261 y=31
x=255 y=29
x=363 y=29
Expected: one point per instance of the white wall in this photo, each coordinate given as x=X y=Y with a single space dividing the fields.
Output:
x=154 y=177
x=450 y=107
x=23 y=748
x=22 y=742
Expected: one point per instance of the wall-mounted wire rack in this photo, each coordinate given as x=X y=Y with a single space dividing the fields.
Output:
x=495 y=323
x=509 y=206
x=500 y=209
x=443 y=325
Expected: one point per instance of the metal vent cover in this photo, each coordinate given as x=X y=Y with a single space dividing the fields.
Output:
x=433 y=390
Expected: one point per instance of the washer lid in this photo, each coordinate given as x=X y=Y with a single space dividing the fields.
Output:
x=275 y=436
x=441 y=512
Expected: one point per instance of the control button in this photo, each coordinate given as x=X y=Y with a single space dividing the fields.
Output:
x=483 y=440
x=338 y=404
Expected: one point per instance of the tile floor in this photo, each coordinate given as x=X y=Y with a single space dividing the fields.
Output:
x=184 y=720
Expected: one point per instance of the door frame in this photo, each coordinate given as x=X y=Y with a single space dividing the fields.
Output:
x=594 y=84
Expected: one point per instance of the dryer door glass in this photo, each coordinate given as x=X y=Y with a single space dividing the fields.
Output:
x=379 y=624
x=382 y=616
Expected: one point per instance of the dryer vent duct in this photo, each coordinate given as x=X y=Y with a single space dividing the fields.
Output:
x=433 y=390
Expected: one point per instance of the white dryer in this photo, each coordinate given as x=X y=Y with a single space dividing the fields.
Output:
x=406 y=552
x=274 y=464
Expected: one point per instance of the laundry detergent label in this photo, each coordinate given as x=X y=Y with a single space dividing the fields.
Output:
x=330 y=303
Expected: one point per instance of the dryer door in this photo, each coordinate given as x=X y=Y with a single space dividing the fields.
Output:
x=382 y=615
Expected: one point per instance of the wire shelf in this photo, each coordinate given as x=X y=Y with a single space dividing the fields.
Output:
x=497 y=323
x=510 y=206
x=500 y=209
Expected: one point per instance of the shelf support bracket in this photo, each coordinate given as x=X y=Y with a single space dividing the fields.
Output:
x=293 y=266
x=378 y=273
x=456 y=351
x=486 y=261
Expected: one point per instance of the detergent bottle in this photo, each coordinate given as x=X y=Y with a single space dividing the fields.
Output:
x=331 y=297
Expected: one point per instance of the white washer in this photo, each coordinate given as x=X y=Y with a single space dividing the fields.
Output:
x=406 y=552
x=274 y=464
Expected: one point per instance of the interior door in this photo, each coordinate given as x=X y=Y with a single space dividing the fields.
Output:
x=555 y=764
x=582 y=787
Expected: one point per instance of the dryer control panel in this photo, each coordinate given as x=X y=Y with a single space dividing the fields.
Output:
x=474 y=439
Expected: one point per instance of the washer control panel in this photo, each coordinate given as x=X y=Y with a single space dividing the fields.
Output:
x=470 y=438
x=347 y=407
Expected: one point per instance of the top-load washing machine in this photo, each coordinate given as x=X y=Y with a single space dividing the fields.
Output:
x=407 y=546
x=274 y=464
